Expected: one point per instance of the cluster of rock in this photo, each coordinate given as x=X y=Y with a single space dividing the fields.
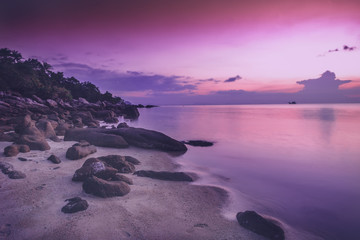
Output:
x=75 y=112
x=9 y=170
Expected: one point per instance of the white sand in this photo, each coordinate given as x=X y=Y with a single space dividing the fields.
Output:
x=153 y=209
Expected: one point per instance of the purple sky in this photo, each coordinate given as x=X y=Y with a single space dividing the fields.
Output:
x=191 y=52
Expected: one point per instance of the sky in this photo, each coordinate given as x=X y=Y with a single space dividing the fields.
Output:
x=195 y=51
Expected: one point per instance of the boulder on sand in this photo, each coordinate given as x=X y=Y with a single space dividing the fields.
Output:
x=47 y=130
x=75 y=204
x=118 y=162
x=94 y=167
x=169 y=176
x=16 y=175
x=138 y=137
x=123 y=178
x=95 y=137
x=54 y=159
x=199 y=143
x=105 y=189
x=80 y=150
x=260 y=225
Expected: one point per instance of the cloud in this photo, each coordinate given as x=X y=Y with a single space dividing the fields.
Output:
x=324 y=89
x=128 y=81
x=347 y=48
x=344 y=48
x=233 y=79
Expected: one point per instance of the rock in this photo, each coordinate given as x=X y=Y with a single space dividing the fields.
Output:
x=54 y=159
x=30 y=135
x=47 y=130
x=131 y=112
x=11 y=151
x=61 y=128
x=104 y=114
x=51 y=103
x=6 y=167
x=118 y=162
x=35 y=142
x=5 y=231
x=24 y=148
x=16 y=175
x=256 y=223
x=8 y=137
x=78 y=122
x=94 y=167
x=22 y=159
x=105 y=189
x=86 y=118
x=132 y=160
x=95 y=137
x=199 y=143
x=169 y=176
x=80 y=150
x=74 y=205
x=119 y=177
x=111 y=120
x=122 y=125
x=149 y=139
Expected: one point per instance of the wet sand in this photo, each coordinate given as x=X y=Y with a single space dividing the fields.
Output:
x=153 y=209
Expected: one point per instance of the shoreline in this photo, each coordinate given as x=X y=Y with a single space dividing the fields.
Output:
x=154 y=209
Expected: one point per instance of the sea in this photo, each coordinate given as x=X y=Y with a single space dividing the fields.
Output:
x=296 y=163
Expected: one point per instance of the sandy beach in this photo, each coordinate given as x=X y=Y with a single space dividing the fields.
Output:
x=154 y=209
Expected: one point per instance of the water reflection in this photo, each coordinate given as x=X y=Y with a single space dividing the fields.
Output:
x=325 y=118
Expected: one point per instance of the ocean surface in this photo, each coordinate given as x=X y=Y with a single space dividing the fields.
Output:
x=297 y=163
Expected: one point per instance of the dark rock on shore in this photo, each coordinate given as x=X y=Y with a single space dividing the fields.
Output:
x=122 y=125
x=94 y=167
x=123 y=178
x=35 y=142
x=199 y=143
x=14 y=149
x=256 y=223
x=138 y=137
x=74 y=205
x=54 y=159
x=6 y=167
x=132 y=160
x=16 y=175
x=105 y=189
x=96 y=137
x=169 y=176
x=118 y=162
x=131 y=112
x=80 y=150
x=47 y=130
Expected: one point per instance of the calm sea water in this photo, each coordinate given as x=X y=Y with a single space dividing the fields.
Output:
x=297 y=163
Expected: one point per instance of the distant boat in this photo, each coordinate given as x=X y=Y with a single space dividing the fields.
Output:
x=293 y=102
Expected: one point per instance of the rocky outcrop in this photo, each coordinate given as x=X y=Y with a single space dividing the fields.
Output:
x=94 y=167
x=80 y=150
x=198 y=143
x=74 y=205
x=138 y=137
x=47 y=130
x=122 y=125
x=260 y=225
x=168 y=176
x=118 y=162
x=14 y=149
x=8 y=169
x=123 y=178
x=96 y=137
x=54 y=159
x=105 y=189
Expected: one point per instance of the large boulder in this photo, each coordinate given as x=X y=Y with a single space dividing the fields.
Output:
x=123 y=178
x=6 y=167
x=46 y=128
x=169 y=176
x=80 y=150
x=260 y=225
x=131 y=112
x=61 y=128
x=14 y=149
x=118 y=162
x=94 y=167
x=35 y=142
x=30 y=135
x=54 y=159
x=105 y=189
x=75 y=204
x=95 y=137
x=138 y=137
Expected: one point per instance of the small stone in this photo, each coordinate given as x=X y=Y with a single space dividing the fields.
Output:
x=54 y=159
x=75 y=204
x=11 y=151
x=16 y=175
x=22 y=159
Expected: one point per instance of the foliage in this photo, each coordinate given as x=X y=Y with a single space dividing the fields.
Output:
x=32 y=77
